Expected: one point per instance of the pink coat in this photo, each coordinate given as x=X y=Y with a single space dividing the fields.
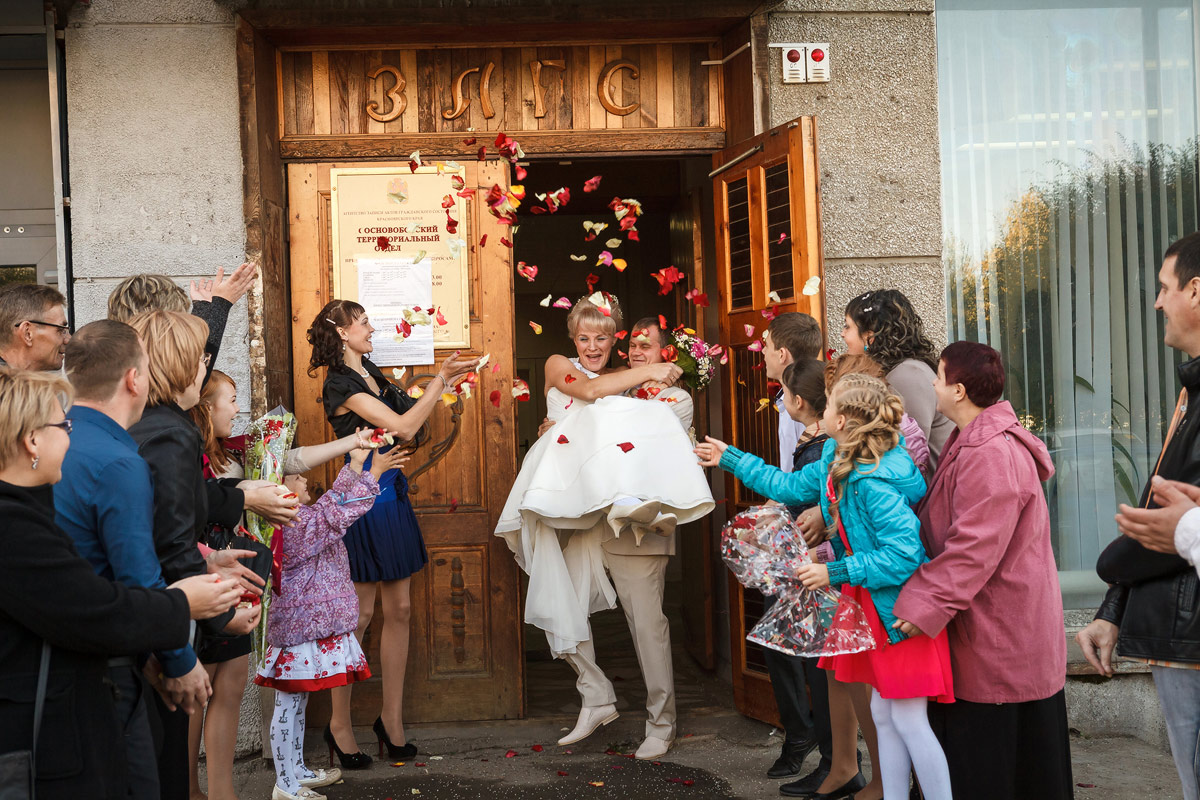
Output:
x=992 y=581
x=316 y=598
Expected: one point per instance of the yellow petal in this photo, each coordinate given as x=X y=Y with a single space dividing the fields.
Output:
x=619 y=264
x=763 y=402
x=449 y=398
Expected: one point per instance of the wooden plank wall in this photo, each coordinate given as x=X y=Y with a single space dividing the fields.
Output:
x=326 y=93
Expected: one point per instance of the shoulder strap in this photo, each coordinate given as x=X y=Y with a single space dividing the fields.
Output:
x=39 y=702
x=1180 y=410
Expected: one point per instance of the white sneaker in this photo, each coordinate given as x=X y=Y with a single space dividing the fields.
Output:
x=324 y=777
x=304 y=793
x=590 y=718
x=653 y=748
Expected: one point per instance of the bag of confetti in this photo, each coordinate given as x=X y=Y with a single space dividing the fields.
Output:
x=764 y=549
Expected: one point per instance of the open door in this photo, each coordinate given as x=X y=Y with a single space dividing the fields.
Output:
x=768 y=229
x=465 y=661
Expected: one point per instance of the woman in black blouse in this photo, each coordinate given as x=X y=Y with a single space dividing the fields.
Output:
x=385 y=544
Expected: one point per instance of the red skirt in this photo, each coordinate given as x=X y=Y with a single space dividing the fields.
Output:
x=916 y=667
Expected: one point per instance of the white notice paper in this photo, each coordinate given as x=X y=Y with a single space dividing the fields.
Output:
x=398 y=296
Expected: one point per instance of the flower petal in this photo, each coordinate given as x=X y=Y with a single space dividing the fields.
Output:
x=537 y=329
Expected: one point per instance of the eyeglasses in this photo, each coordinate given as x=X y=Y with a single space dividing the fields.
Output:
x=65 y=330
x=65 y=425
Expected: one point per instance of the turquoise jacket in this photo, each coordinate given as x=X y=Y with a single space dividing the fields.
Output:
x=876 y=511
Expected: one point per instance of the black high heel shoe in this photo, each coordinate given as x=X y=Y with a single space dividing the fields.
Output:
x=394 y=752
x=355 y=760
x=847 y=789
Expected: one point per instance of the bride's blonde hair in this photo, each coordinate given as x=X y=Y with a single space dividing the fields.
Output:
x=587 y=313
x=873 y=416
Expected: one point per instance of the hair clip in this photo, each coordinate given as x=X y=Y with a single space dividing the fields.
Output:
x=331 y=322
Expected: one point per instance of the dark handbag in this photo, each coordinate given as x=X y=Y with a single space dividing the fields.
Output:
x=220 y=538
x=18 y=770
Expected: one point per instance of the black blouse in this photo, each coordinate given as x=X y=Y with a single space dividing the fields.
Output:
x=342 y=383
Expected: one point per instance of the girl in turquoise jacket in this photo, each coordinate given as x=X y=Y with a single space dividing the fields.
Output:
x=866 y=484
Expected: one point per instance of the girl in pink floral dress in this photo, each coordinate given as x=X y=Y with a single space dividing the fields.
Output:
x=313 y=615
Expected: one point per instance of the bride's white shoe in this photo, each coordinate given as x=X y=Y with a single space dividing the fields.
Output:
x=590 y=718
x=304 y=793
x=623 y=515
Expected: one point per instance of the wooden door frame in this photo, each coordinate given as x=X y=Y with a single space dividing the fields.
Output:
x=798 y=146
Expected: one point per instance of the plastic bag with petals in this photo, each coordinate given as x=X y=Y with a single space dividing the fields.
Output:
x=764 y=549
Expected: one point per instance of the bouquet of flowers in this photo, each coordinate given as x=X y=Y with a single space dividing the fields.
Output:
x=267 y=443
x=763 y=549
x=693 y=355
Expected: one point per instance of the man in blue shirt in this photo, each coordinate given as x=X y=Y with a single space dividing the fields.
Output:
x=105 y=501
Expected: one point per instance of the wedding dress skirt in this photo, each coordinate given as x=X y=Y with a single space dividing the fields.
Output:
x=556 y=517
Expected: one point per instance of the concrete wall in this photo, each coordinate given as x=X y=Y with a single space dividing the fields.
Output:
x=156 y=164
x=155 y=156
x=877 y=146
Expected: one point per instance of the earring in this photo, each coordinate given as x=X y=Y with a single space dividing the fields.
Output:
x=36 y=459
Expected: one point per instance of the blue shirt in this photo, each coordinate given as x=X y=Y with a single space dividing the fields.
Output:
x=105 y=501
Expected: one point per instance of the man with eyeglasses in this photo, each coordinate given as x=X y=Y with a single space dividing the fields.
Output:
x=33 y=327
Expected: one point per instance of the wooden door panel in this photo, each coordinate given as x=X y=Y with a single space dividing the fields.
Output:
x=466 y=621
x=768 y=248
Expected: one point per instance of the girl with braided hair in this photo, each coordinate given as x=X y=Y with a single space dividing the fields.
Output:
x=866 y=484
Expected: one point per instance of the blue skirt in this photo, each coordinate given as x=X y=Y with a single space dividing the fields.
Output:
x=385 y=544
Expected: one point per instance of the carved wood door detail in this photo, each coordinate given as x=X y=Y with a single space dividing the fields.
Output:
x=466 y=659
x=768 y=236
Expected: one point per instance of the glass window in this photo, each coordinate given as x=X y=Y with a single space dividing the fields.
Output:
x=1069 y=163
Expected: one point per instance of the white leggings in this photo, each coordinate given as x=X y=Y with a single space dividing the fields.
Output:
x=287 y=740
x=907 y=742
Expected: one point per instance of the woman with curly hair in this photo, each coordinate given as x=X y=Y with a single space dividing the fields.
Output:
x=883 y=324
x=385 y=544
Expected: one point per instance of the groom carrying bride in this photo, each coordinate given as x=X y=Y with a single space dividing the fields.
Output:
x=598 y=498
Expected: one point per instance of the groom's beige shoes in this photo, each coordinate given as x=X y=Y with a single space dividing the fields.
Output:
x=590 y=718
x=653 y=748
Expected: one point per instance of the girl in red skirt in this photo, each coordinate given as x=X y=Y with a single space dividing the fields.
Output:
x=866 y=483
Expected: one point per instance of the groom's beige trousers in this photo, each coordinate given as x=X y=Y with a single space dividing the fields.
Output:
x=638 y=574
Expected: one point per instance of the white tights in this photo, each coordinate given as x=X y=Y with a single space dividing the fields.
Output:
x=907 y=742
x=287 y=740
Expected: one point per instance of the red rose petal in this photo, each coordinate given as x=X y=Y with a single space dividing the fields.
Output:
x=420 y=764
x=563 y=774
x=592 y=184
x=662 y=322
x=495 y=397
x=511 y=754
x=505 y=242
x=625 y=446
x=563 y=440
x=483 y=240
x=453 y=504
x=570 y=379
x=689 y=782
x=537 y=748
x=482 y=154
x=521 y=173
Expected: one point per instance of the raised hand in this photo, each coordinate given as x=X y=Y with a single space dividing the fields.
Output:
x=269 y=501
x=208 y=595
x=225 y=563
x=455 y=365
x=201 y=290
x=237 y=284
x=395 y=458
x=709 y=451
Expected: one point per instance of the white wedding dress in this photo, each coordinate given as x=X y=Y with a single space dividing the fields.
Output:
x=556 y=517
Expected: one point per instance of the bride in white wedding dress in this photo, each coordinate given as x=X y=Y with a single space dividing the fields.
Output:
x=611 y=479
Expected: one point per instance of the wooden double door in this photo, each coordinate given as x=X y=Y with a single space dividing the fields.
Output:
x=466 y=659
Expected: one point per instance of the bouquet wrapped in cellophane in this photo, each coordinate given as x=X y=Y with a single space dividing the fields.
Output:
x=267 y=443
x=764 y=549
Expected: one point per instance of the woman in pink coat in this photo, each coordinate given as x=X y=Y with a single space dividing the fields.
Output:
x=993 y=584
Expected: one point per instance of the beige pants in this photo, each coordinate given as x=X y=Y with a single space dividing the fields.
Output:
x=639 y=581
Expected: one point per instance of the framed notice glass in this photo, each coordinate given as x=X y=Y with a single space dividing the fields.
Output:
x=385 y=216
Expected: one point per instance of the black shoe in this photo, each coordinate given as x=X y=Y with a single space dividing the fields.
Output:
x=394 y=752
x=847 y=789
x=356 y=760
x=791 y=759
x=806 y=785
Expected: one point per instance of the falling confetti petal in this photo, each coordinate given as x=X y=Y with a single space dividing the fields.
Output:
x=398 y=372
x=592 y=184
x=621 y=335
x=495 y=397
x=527 y=271
x=613 y=243
x=773 y=297
x=562 y=302
x=667 y=278
x=415 y=392
x=625 y=446
x=483 y=361
x=578 y=258
x=495 y=368
x=592 y=279
x=812 y=286
x=770 y=313
x=604 y=259
x=520 y=389
x=521 y=172
x=538 y=328
x=483 y=240
x=505 y=242
x=470 y=142
x=763 y=402
x=619 y=264
x=545 y=303
x=697 y=297
x=749 y=329
x=756 y=346
x=782 y=235
x=568 y=379
x=662 y=322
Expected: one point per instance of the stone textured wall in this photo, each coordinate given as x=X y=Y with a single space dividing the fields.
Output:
x=156 y=165
x=155 y=156
x=877 y=145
